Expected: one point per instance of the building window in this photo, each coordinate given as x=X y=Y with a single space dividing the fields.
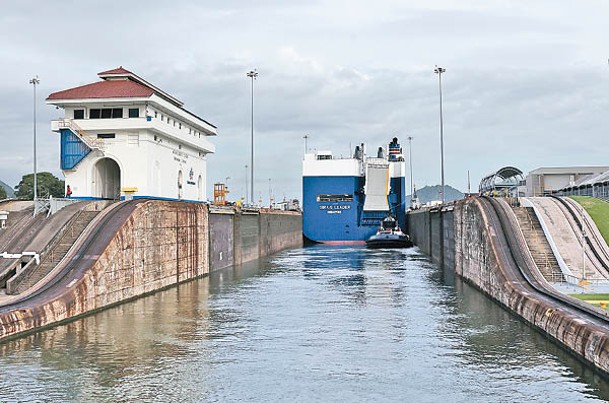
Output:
x=180 y=125
x=156 y=114
x=106 y=113
x=162 y=118
x=79 y=113
x=106 y=136
x=134 y=112
x=180 y=146
x=189 y=130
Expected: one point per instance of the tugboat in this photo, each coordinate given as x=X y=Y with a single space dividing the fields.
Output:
x=389 y=235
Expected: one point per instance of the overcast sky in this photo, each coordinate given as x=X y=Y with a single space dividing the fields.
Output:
x=526 y=82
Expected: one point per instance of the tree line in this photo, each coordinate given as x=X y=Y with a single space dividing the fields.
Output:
x=48 y=185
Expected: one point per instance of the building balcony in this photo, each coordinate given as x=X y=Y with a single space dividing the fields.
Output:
x=94 y=126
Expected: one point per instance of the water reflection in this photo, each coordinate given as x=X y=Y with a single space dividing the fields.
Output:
x=320 y=323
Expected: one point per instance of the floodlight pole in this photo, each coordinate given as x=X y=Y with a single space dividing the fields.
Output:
x=439 y=71
x=270 y=197
x=246 y=199
x=410 y=138
x=35 y=81
x=252 y=74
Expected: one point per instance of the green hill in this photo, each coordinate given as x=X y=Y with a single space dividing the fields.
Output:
x=430 y=193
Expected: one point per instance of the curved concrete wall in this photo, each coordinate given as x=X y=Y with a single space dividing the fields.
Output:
x=480 y=261
x=160 y=244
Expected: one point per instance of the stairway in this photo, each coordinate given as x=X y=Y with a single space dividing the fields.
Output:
x=52 y=257
x=538 y=244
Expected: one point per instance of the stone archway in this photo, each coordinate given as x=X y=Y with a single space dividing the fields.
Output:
x=106 y=179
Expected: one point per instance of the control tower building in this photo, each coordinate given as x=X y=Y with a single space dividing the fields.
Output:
x=124 y=137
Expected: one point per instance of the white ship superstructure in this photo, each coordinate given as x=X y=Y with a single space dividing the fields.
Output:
x=124 y=137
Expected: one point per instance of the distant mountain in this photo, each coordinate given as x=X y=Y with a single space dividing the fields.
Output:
x=430 y=193
x=9 y=190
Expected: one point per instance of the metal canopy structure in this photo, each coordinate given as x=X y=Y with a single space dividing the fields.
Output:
x=504 y=179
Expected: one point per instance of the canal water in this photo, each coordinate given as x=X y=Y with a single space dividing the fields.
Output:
x=313 y=324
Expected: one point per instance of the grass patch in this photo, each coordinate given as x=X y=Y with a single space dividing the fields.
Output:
x=598 y=210
x=594 y=299
x=591 y=297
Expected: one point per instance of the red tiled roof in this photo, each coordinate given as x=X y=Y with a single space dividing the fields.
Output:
x=118 y=70
x=105 y=89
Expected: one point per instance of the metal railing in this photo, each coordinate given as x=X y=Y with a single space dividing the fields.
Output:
x=91 y=141
x=549 y=269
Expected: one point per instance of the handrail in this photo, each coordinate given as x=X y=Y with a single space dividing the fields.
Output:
x=71 y=262
x=90 y=141
x=539 y=284
x=561 y=263
x=603 y=260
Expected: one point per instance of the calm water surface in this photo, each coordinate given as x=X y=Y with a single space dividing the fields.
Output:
x=313 y=324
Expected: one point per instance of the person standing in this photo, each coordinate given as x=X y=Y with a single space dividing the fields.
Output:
x=68 y=192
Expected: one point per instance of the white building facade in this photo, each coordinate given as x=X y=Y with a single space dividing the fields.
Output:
x=122 y=137
x=546 y=180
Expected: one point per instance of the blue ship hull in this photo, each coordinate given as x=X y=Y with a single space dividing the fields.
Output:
x=333 y=209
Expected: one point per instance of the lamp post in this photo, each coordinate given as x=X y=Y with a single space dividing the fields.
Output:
x=410 y=138
x=246 y=200
x=439 y=71
x=35 y=81
x=226 y=185
x=270 y=195
x=252 y=74
x=306 y=137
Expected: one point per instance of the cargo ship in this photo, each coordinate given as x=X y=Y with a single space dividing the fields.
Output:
x=346 y=199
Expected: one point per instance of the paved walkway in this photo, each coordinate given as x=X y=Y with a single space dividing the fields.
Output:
x=568 y=239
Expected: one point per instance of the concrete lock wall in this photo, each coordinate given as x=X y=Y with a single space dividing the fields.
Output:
x=476 y=260
x=419 y=230
x=161 y=243
x=239 y=237
x=433 y=232
x=480 y=263
x=222 y=240
x=249 y=231
x=279 y=231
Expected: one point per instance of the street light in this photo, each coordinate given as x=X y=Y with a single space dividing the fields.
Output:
x=410 y=138
x=246 y=200
x=306 y=137
x=252 y=74
x=35 y=81
x=270 y=195
x=439 y=71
